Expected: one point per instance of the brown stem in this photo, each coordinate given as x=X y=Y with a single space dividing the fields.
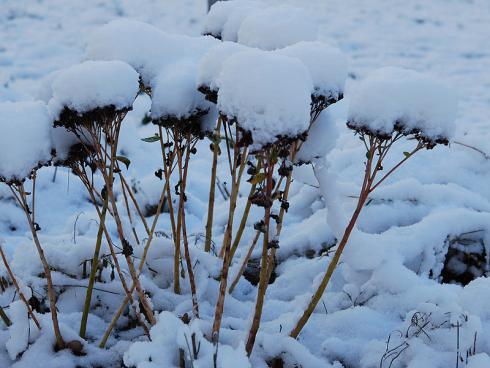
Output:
x=212 y=189
x=367 y=188
x=183 y=181
x=128 y=210
x=128 y=292
x=218 y=315
x=19 y=291
x=127 y=298
x=244 y=262
x=135 y=203
x=263 y=280
x=109 y=180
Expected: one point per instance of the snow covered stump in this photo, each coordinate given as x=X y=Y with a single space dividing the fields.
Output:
x=390 y=104
x=90 y=101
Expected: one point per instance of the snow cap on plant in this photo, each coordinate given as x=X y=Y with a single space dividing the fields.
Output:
x=225 y=17
x=271 y=100
x=146 y=48
x=327 y=66
x=277 y=27
x=176 y=101
x=69 y=151
x=210 y=67
x=25 y=142
x=92 y=91
x=400 y=100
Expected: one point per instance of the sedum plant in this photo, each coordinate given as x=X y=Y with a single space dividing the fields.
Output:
x=390 y=105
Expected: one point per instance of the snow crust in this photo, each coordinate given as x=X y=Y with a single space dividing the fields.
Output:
x=271 y=99
x=396 y=95
x=277 y=27
x=94 y=84
x=25 y=138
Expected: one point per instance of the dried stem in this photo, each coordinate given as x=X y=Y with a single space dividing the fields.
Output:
x=121 y=308
x=226 y=243
x=244 y=262
x=263 y=280
x=183 y=170
x=381 y=147
x=212 y=188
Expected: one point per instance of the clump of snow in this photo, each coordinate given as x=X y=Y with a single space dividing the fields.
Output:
x=94 y=84
x=236 y=18
x=481 y=360
x=270 y=99
x=174 y=92
x=397 y=98
x=146 y=48
x=19 y=331
x=321 y=139
x=227 y=14
x=25 y=141
x=212 y=62
x=327 y=66
x=171 y=334
x=277 y=27
x=62 y=140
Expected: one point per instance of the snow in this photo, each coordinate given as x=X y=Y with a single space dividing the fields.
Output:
x=146 y=48
x=327 y=66
x=277 y=27
x=391 y=96
x=174 y=92
x=322 y=138
x=25 y=140
x=94 y=84
x=226 y=17
x=392 y=266
x=271 y=99
x=212 y=62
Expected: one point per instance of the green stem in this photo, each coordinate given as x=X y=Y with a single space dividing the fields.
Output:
x=93 y=271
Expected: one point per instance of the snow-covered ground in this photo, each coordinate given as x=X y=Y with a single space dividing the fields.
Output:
x=387 y=301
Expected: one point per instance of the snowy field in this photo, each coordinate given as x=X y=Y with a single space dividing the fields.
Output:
x=396 y=299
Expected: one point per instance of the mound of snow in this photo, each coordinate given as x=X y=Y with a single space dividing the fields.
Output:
x=322 y=137
x=277 y=27
x=395 y=96
x=175 y=93
x=94 y=84
x=25 y=138
x=270 y=99
x=225 y=17
x=212 y=62
x=145 y=47
x=327 y=66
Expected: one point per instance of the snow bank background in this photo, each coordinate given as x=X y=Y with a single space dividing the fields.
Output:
x=389 y=279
